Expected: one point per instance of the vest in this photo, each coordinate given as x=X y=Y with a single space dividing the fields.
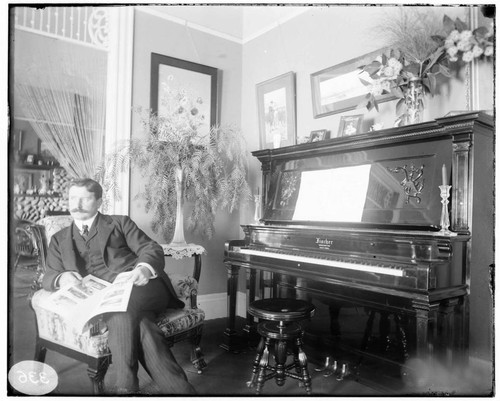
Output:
x=89 y=253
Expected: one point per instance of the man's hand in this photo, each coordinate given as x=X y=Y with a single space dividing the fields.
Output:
x=140 y=275
x=69 y=278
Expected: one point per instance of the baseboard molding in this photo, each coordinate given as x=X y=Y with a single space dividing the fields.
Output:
x=215 y=305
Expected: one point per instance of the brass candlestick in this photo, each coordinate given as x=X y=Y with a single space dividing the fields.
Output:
x=445 y=219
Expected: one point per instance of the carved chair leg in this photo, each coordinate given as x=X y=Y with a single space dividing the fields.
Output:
x=196 y=355
x=40 y=351
x=96 y=372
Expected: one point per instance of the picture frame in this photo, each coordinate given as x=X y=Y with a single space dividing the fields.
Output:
x=197 y=80
x=319 y=135
x=24 y=181
x=350 y=125
x=276 y=107
x=30 y=159
x=338 y=89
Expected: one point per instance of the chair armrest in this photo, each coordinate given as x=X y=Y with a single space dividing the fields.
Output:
x=186 y=289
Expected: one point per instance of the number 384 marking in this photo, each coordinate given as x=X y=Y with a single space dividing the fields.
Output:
x=33 y=378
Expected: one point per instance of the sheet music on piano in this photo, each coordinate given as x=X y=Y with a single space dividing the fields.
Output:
x=336 y=194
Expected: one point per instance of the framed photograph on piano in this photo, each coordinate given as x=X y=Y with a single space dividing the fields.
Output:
x=350 y=125
x=276 y=110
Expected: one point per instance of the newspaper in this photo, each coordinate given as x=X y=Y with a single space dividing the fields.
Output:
x=90 y=298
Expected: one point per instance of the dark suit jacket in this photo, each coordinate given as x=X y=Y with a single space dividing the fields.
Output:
x=123 y=246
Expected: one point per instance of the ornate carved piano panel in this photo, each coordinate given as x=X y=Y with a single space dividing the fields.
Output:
x=356 y=221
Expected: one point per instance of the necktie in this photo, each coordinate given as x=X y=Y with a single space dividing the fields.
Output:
x=85 y=232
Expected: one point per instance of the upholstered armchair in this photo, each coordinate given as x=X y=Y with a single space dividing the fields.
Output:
x=90 y=346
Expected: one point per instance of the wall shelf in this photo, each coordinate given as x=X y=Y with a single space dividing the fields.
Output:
x=23 y=166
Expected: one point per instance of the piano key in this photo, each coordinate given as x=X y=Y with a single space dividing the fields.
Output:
x=327 y=262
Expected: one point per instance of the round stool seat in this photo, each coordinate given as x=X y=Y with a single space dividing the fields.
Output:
x=277 y=332
x=281 y=309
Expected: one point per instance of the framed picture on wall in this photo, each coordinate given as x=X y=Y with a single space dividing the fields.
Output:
x=276 y=110
x=198 y=82
x=339 y=88
x=350 y=125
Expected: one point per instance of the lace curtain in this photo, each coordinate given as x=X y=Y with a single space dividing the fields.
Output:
x=60 y=88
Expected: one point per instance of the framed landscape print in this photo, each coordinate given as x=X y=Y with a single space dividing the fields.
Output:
x=338 y=89
x=276 y=111
x=196 y=80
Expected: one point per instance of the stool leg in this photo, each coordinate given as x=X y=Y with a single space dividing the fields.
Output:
x=296 y=362
x=306 y=378
x=263 y=364
x=280 y=358
x=260 y=349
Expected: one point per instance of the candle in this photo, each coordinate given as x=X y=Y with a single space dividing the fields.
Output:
x=445 y=175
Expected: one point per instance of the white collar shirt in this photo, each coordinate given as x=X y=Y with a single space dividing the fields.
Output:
x=80 y=223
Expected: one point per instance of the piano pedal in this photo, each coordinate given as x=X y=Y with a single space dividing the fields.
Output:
x=332 y=369
x=325 y=366
x=344 y=372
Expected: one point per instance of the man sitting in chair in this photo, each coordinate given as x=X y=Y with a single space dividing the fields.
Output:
x=105 y=246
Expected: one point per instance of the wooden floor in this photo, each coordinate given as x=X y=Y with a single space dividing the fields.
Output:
x=226 y=374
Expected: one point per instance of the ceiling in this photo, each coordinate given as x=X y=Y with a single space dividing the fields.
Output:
x=238 y=22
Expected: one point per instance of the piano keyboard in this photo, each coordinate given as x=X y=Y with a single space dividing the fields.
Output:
x=325 y=262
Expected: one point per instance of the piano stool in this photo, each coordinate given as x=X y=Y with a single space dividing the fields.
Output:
x=280 y=328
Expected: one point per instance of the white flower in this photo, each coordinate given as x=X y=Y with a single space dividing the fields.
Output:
x=452 y=52
x=453 y=59
x=395 y=65
x=392 y=62
x=464 y=45
x=376 y=88
x=454 y=35
x=467 y=57
x=449 y=43
x=386 y=86
x=488 y=51
x=477 y=51
x=388 y=71
x=465 y=35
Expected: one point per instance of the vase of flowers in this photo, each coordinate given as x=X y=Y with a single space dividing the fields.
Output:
x=421 y=49
x=182 y=160
x=413 y=99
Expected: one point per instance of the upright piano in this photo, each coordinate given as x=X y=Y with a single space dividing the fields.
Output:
x=360 y=220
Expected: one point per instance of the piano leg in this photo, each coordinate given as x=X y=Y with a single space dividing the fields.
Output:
x=231 y=340
x=425 y=330
x=250 y=327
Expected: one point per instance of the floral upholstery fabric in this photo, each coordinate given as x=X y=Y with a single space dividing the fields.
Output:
x=174 y=321
x=54 y=224
x=55 y=328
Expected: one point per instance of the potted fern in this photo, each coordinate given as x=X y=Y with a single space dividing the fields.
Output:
x=179 y=163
